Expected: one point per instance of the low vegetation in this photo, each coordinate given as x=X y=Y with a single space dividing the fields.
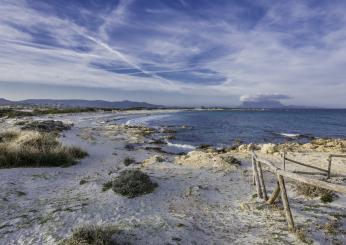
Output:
x=160 y=159
x=131 y=183
x=128 y=161
x=204 y=146
x=18 y=112
x=158 y=142
x=12 y=113
x=169 y=131
x=93 y=235
x=46 y=126
x=129 y=147
x=313 y=192
x=35 y=149
x=231 y=160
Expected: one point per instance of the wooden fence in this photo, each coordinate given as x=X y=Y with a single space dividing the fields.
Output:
x=281 y=188
x=327 y=170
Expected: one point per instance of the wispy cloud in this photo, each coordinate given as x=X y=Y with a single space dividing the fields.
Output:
x=204 y=48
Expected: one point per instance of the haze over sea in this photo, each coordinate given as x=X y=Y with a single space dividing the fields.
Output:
x=226 y=127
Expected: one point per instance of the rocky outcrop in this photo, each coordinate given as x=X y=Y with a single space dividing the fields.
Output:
x=202 y=159
x=319 y=145
x=269 y=148
x=152 y=160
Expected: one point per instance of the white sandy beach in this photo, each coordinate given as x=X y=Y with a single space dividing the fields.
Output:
x=199 y=200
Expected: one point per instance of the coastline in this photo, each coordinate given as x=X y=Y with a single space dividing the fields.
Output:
x=200 y=198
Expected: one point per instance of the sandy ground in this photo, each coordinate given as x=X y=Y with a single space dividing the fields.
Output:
x=194 y=203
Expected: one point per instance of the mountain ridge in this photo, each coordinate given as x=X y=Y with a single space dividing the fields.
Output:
x=70 y=103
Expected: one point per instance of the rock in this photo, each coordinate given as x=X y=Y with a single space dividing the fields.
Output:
x=318 y=142
x=192 y=191
x=269 y=148
x=242 y=148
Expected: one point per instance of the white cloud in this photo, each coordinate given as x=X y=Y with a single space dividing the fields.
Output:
x=263 y=59
x=263 y=97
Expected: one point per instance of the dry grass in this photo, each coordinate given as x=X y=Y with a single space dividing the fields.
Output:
x=302 y=236
x=8 y=136
x=35 y=149
x=313 y=191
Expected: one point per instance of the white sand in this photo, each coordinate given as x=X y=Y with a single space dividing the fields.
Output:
x=192 y=205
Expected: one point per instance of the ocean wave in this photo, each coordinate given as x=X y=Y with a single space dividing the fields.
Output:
x=185 y=146
x=144 y=120
x=290 y=135
x=296 y=136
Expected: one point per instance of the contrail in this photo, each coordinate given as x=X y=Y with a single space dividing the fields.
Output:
x=120 y=55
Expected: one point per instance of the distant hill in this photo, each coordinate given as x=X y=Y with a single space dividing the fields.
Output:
x=5 y=102
x=126 y=104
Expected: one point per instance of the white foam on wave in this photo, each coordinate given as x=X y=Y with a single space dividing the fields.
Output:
x=144 y=120
x=290 y=135
x=185 y=146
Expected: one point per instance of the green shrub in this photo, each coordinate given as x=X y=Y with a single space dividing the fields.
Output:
x=47 y=126
x=106 y=186
x=93 y=235
x=327 y=197
x=169 y=131
x=128 y=161
x=12 y=113
x=160 y=159
x=231 y=160
x=158 y=142
x=131 y=183
x=204 y=146
x=129 y=147
x=83 y=181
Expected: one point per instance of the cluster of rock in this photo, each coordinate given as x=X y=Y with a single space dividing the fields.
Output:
x=317 y=145
x=134 y=134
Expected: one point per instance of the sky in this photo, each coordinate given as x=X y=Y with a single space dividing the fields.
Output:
x=175 y=52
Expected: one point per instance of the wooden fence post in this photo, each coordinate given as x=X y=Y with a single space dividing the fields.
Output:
x=274 y=195
x=329 y=166
x=261 y=178
x=259 y=191
x=285 y=202
x=284 y=160
x=253 y=169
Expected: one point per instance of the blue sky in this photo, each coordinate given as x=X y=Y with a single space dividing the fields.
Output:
x=175 y=52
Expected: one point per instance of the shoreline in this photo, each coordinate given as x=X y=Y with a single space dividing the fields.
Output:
x=200 y=196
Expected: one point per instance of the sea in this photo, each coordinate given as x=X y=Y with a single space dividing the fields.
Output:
x=222 y=128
